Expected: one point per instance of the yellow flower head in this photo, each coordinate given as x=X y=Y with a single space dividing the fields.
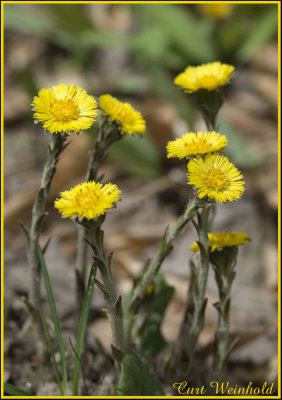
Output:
x=130 y=120
x=223 y=239
x=88 y=200
x=65 y=108
x=216 y=11
x=216 y=177
x=206 y=76
x=193 y=144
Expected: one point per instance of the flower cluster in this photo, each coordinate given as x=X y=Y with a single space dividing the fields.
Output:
x=213 y=176
x=67 y=109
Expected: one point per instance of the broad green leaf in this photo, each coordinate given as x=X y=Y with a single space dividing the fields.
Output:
x=137 y=377
x=28 y=19
x=137 y=156
x=72 y=17
x=89 y=38
x=237 y=149
x=12 y=390
x=265 y=28
x=190 y=35
x=37 y=22
x=152 y=339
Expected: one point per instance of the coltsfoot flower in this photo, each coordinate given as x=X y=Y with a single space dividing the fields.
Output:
x=130 y=120
x=216 y=11
x=87 y=200
x=206 y=76
x=223 y=239
x=215 y=177
x=193 y=144
x=65 y=108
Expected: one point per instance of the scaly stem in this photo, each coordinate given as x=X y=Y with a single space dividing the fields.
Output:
x=106 y=137
x=223 y=263
x=196 y=313
x=114 y=309
x=38 y=212
x=154 y=265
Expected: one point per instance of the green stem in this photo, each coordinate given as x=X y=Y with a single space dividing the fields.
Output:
x=154 y=265
x=223 y=263
x=195 y=320
x=114 y=310
x=38 y=212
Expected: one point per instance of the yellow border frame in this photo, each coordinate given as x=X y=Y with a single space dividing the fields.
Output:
x=2 y=197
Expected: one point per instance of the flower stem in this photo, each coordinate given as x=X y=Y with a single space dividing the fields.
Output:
x=114 y=309
x=223 y=263
x=107 y=135
x=38 y=212
x=154 y=265
x=196 y=310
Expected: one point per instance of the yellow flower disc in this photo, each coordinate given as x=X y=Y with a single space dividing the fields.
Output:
x=216 y=177
x=223 y=239
x=88 y=200
x=206 y=76
x=130 y=120
x=193 y=144
x=65 y=108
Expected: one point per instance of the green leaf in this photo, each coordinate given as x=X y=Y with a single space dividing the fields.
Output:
x=27 y=19
x=82 y=327
x=192 y=36
x=54 y=315
x=12 y=390
x=265 y=28
x=51 y=348
x=90 y=38
x=36 y=22
x=137 y=156
x=238 y=150
x=152 y=339
x=137 y=377
x=72 y=17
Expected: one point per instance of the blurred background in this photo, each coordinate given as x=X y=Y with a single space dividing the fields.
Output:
x=133 y=52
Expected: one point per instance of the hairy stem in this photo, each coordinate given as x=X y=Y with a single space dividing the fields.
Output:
x=223 y=263
x=114 y=309
x=38 y=212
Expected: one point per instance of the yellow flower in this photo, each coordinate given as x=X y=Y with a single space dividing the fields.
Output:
x=65 y=108
x=130 y=120
x=216 y=11
x=206 y=76
x=223 y=239
x=216 y=177
x=88 y=200
x=193 y=144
